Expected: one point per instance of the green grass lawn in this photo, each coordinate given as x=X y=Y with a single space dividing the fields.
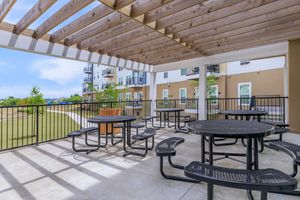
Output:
x=19 y=131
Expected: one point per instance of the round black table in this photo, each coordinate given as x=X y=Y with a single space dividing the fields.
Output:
x=249 y=130
x=165 y=113
x=126 y=130
x=244 y=113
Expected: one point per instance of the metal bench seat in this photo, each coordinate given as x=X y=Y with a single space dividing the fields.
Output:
x=147 y=134
x=263 y=180
x=166 y=148
x=291 y=149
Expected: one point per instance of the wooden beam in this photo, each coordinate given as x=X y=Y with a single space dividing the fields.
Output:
x=169 y=9
x=252 y=35
x=62 y=14
x=175 y=59
x=35 y=12
x=141 y=7
x=205 y=36
x=170 y=50
x=5 y=7
x=104 y=24
x=121 y=43
x=85 y=20
x=188 y=14
x=272 y=25
x=143 y=47
x=117 y=4
x=271 y=38
x=203 y=24
x=106 y=45
x=108 y=34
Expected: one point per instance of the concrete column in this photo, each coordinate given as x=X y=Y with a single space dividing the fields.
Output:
x=202 y=92
x=294 y=85
x=152 y=91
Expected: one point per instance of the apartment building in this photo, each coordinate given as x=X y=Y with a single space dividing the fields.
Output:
x=263 y=77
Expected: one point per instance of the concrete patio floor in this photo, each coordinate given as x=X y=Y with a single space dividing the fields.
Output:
x=51 y=171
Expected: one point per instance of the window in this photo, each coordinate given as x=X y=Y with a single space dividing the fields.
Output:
x=196 y=92
x=182 y=95
x=244 y=62
x=120 y=97
x=213 y=93
x=165 y=94
x=165 y=74
x=128 y=96
x=120 y=81
x=244 y=92
x=183 y=72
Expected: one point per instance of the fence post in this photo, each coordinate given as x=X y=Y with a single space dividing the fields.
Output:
x=80 y=115
x=37 y=125
x=197 y=107
x=133 y=108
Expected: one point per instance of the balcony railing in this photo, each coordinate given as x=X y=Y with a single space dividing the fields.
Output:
x=136 y=81
x=105 y=85
x=88 y=70
x=88 y=79
x=192 y=71
x=108 y=72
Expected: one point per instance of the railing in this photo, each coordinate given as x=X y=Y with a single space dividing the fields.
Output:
x=108 y=72
x=190 y=106
x=136 y=81
x=28 y=125
x=88 y=69
x=88 y=79
x=275 y=106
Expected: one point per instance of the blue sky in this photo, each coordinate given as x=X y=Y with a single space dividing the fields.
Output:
x=20 y=71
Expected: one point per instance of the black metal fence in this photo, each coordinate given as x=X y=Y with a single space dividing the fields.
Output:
x=27 y=125
x=275 y=106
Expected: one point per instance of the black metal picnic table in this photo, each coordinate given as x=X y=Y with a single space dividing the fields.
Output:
x=250 y=130
x=126 y=130
x=164 y=113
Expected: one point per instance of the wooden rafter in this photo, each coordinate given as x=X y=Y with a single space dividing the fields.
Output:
x=36 y=11
x=137 y=12
x=104 y=24
x=208 y=35
x=62 y=14
x=85 y=20
x=5 y=7
x=110 y=33
x=206 y=22
x=105 y=46
x=265 y=27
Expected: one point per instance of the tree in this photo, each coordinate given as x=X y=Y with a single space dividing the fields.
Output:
x=211 y=80
x=76 y=98
x=35 y=98
x=10 y=101
x=111 y=93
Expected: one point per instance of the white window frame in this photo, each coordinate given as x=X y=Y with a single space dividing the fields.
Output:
x=239 y=92
x=128 y=94
x=185 y=89
x=163 y=94
x=120 y=97
x=217 y=94
x=196 y=92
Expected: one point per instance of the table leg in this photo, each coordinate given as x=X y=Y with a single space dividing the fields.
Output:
x=249 y=153
x=177 y=127
x=210 y=186
x=255 y=153
x=202 y=149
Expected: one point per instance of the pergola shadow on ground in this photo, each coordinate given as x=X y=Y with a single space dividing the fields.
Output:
x=52 y=171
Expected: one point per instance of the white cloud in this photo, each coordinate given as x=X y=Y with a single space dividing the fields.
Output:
x=61 y=71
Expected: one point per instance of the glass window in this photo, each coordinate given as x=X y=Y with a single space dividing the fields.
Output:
x=196 y=92
x=165 y=74
x=128 y=96
x=120 y=97
x=182 y=95
x=165 y=94
x=244 y=92
x=183 y=71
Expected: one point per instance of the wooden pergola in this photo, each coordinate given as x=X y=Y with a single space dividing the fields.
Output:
x=143 y=34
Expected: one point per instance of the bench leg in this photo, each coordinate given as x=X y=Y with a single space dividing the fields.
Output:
x=295 y=169
x=176 y=178
x=263 y=195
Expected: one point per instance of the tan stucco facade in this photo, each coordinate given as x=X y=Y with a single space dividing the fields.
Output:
x=263 y=83
x=174 y=89
x=294 y=85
